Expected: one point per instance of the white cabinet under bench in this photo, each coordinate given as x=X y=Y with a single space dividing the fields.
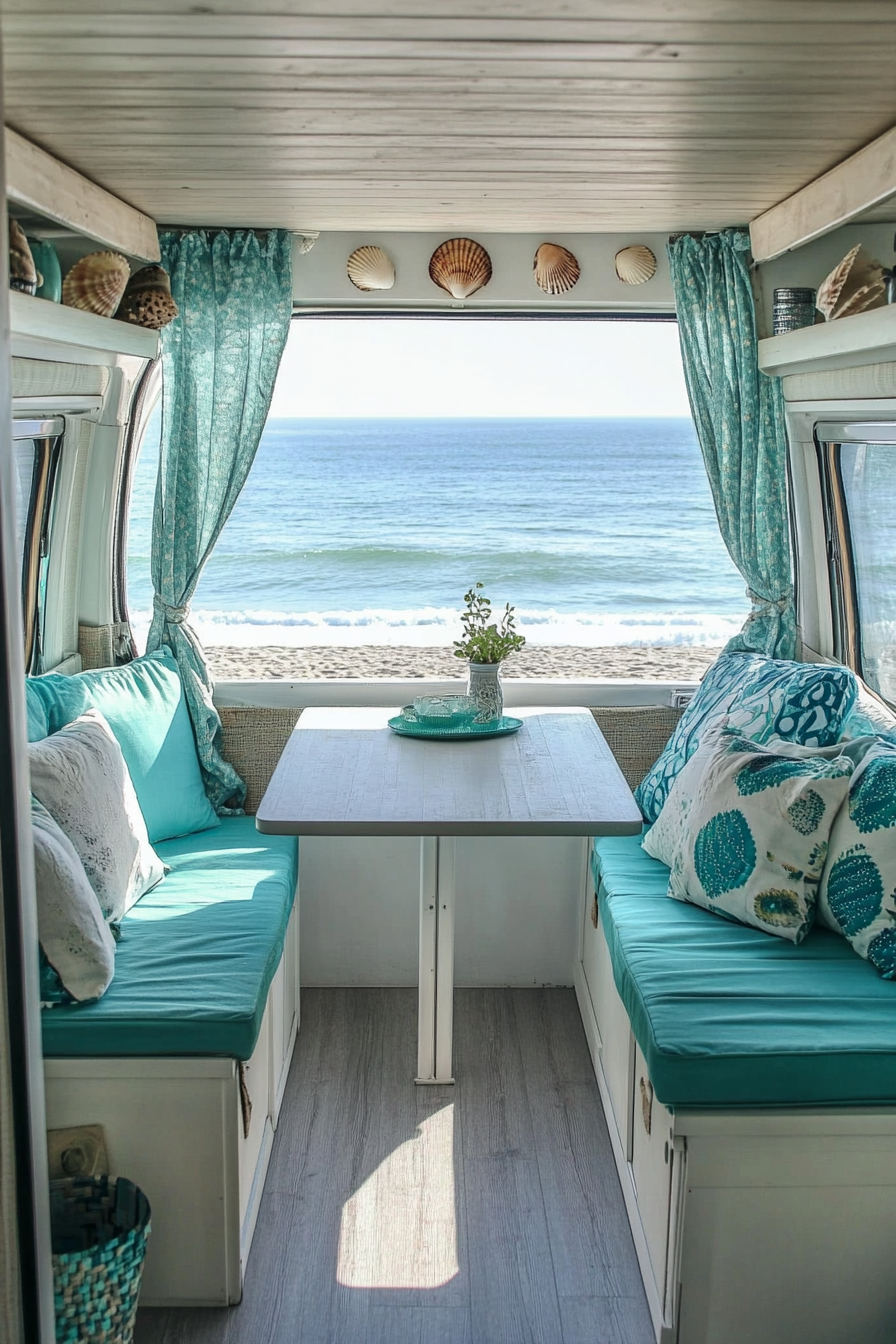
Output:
x=765 y=1224
x=194 y=1130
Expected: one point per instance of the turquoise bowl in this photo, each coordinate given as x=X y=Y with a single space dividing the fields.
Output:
x=445 y=711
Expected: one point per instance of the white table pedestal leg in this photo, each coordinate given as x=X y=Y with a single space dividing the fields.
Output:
x=435 y=1012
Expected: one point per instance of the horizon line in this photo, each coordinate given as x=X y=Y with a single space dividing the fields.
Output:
x=482 y=416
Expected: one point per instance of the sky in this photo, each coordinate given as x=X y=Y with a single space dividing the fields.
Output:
x=417 y=368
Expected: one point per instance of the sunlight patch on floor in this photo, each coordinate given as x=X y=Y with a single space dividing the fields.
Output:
x=399 y=1229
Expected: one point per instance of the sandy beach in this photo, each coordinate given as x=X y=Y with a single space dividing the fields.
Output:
x=269 y=662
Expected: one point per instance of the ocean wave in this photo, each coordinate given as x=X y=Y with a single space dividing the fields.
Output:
x=439 y=626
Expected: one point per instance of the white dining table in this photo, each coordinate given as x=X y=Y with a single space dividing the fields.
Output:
x=345 y=772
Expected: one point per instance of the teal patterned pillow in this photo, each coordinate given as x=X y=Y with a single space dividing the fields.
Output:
x=755 y=838
x=858 y=888
x=763 y=698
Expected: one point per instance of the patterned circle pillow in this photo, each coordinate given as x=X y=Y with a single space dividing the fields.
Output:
x=755 y=839
x=858 y=889
x=763 y=698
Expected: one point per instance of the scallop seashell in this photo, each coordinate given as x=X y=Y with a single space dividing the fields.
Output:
x=847 y=284
x=370 y=268
x=460 y=267
x=556 y=269
x=831 y=285
x=23 y=274
x=96 y=283
x=147 y=300
x=635 y=264
x=868 y=296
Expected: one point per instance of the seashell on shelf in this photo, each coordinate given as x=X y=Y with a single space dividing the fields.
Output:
x=556 y=269
x=147 y=300
x=370 y=268
x=23 y=274
x=635 y=265
x=856 y=283
x=96 y=283
x=460 y=267
x=868 y=296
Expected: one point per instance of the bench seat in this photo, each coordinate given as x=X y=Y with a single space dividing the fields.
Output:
x=728 y=1016
x=197 y=954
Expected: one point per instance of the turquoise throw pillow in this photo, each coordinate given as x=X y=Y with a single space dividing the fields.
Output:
x=763 y=698
x=858 y=889
x=754 y=836
x=144 y=705
x=38 y=723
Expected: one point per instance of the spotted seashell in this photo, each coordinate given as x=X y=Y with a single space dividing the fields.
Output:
x=556 y=269
x=147 y=300
x=635 y=264
x=23 y=274
x=96 y=283
x=460 y=267
x=370 y=268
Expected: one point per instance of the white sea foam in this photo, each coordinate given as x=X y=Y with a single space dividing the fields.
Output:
x=433 y=627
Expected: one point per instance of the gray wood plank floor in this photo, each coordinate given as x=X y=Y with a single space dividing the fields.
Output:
x=475 y=1214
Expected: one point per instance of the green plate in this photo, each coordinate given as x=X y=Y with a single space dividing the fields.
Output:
x=405 y=724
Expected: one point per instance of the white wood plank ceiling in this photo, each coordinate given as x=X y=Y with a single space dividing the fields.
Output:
x=498 y=115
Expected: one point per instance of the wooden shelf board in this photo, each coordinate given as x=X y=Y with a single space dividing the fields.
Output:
x=34 y=319
x=867 y=338
x=38 y=182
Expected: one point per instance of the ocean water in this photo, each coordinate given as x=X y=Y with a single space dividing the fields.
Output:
x=598 y=531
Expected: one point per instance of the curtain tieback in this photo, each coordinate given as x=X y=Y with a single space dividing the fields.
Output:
x=763 y=604
x=173 y=615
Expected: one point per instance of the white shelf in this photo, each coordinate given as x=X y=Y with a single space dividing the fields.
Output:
x=847 y=343
x=36 y=322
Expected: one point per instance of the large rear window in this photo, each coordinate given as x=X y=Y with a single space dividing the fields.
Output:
x=555 y=461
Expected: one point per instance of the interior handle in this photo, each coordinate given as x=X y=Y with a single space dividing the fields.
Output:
x=646 y=1102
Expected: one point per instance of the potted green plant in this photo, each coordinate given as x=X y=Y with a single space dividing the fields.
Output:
x=485 y=644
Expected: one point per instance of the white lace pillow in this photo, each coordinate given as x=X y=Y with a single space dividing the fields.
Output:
x=80 y=776
x=75 y=938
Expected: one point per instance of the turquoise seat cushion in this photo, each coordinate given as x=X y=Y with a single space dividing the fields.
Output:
x=622 y=866
x=763 y=698
x=727 y=1016
x=144 y=705
x=197 y=953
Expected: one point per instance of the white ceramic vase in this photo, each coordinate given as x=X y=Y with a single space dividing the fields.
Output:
x=485 y=688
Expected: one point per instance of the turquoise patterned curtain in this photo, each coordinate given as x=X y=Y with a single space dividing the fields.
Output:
x=219 y=362
x=739 y=415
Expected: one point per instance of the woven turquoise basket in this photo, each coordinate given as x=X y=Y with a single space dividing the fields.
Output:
x=100 y=1228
